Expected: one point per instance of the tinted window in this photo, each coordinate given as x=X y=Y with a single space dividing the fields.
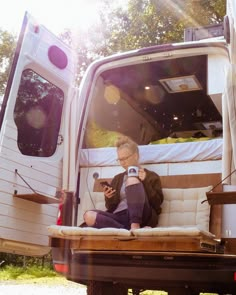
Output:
x=37 y=115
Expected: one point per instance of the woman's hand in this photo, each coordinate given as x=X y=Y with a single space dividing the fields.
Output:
x=108 y=191
x=141 y=174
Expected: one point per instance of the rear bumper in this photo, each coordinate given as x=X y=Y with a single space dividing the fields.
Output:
x=204 y=272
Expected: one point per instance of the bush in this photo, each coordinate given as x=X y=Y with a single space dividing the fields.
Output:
x=23 y=261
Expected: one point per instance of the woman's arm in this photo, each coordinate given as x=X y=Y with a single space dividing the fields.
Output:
x=152 y=185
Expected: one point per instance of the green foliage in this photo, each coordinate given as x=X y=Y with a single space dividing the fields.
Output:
x=148 y=292
x=7 y=46
x=11 y=272
x=18 y=267
x=141 y=23
x=153 y=22
x=14 y=260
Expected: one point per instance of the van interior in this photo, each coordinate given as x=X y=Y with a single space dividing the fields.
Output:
x=154 y=102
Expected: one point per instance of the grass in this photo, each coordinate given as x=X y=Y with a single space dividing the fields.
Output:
x=26 y=273
x=44 y=275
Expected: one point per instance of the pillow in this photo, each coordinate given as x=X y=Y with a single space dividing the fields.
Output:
x=179 y=140
x=97 y=137
x=183 y=207
x=89 y=201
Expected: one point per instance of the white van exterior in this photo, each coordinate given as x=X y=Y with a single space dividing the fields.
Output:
x=173 y=100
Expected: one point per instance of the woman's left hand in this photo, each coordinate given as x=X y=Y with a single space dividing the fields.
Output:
x=141 y=174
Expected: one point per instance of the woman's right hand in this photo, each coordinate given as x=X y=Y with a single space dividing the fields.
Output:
x=108 y=191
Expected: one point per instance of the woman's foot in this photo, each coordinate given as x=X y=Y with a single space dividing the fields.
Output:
x=135 y=226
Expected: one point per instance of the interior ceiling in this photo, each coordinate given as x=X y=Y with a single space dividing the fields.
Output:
x=190 y=108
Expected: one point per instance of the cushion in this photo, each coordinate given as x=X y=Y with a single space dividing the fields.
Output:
x=89 y=201
x=60 y=230
x=183 y=207
x=171 y=231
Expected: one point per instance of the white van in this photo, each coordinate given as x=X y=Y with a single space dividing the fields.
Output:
x=177 y=102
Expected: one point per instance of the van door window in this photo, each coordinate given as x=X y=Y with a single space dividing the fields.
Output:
x=37 y=115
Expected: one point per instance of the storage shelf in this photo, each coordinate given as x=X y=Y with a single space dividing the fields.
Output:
x=38 y=198
x=220 y=198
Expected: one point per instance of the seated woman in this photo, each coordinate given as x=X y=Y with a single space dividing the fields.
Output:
x=131 y=202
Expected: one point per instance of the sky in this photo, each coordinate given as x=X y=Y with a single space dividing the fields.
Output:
x=56 y=15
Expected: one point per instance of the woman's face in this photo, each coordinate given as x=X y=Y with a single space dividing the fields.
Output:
x=127 y=158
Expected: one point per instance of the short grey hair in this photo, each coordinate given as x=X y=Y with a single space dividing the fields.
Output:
x=126 y=142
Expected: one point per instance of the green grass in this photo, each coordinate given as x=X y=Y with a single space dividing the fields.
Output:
x=24 y=273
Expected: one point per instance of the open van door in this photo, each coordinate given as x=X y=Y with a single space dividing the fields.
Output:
x=229 y=128
x=32 y=138
x=229 y=124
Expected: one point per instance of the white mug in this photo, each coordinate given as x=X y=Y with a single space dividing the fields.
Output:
x=133 y=171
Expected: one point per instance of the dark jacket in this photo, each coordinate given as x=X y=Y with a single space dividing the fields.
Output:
x=152 y=186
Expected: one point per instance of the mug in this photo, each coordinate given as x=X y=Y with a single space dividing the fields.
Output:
x=133 y=171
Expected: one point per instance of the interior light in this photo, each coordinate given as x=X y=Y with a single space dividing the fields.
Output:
x=181 y=84
x=175 y=118
x=147 y=87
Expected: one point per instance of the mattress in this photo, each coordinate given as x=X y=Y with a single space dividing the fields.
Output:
x=157 y=153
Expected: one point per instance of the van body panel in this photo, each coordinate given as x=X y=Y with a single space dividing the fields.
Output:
x=31 y=147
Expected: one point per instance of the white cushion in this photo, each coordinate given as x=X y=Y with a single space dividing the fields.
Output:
x=183 y=207
x=89 y=201
x=182 y=210
x=171 y=231
x=60 y=230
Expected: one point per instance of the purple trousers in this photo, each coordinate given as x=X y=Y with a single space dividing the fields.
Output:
x=138 y=211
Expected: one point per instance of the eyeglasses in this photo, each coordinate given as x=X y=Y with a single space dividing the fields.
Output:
x=124 y=158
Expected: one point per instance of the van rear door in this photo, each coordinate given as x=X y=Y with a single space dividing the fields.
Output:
x=229 y=127
x=32 y=138
x=229 y=123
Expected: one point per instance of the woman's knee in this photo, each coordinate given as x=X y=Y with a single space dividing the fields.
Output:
x=132 y=180
x=90 y=217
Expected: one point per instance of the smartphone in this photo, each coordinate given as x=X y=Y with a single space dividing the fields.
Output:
x=105 y=183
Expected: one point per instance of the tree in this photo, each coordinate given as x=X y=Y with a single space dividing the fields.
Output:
x=7 y=45
x=142 y=23
x=96 y=41
x=154 y=22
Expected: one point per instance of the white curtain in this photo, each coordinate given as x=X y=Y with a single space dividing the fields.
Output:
x=229 y=103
